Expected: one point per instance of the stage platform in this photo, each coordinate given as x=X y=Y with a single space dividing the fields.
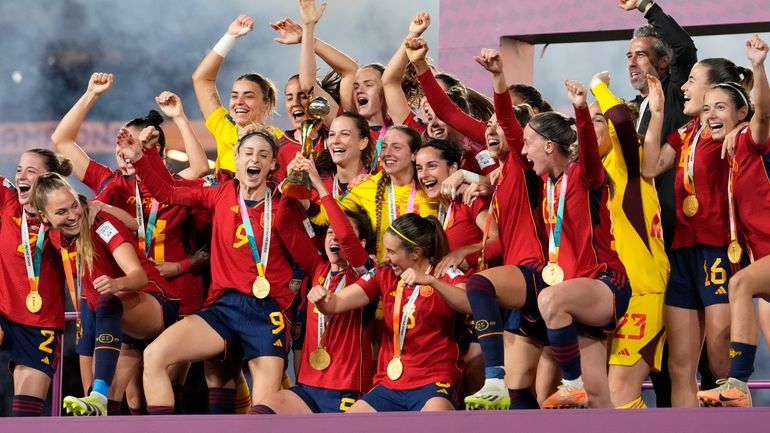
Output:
x=712 y=420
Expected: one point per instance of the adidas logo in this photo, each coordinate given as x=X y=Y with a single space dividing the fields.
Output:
x=734 y=353
x=278 y=343
x=235 y=209
x=720 y=291
x=45 y=360
x=624 y=352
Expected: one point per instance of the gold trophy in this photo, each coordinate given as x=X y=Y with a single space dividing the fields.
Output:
x=297 y=184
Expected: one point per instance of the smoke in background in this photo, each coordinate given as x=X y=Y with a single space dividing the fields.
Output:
x=50 y=48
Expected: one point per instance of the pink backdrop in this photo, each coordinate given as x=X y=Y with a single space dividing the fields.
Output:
x=466 y=26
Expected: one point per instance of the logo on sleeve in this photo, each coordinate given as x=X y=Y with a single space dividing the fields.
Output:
x=106 y=231
x=8 y=184
x=454 y=273
x=368 y=276
x=484 y=159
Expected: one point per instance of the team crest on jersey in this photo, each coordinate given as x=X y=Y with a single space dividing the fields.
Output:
x=8 y=184
x=106 y=231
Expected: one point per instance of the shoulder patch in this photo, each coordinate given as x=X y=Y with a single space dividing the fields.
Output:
x=454 y=273
x=8 y=184
x=484 y=159
x=308 y=227
x=106 y=231
x=368 y=276
x=210 y=180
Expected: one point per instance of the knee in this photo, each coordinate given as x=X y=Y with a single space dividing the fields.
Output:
x=739 y=287
x=155 y=358
x=108 y=305
x=549 y=304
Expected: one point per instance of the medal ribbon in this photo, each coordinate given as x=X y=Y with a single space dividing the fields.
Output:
x=75 y=286
x=488 y=222
x=445 y=215
x=325 y=320
x=260 y=261
x=336 y=187
x=32 y=263
x=151 y=226
x=689 y=177
x=730 y=201
x=403 y=321
x=141 y=230
x=378 y=148
x=554 y=230
x=392 y=201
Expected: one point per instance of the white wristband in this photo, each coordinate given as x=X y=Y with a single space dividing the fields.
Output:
x=224 y=45
x=470 y=177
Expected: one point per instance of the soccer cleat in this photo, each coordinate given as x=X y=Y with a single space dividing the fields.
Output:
x=492 y=396
x=730 y=393
x=567 y=397
x=85 y=406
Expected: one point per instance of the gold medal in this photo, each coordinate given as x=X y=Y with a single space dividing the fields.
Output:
x=690 y=206
x=78 y=329
x=734 y=252
x=261 y=287
x=320 y=359
x=34 y=302
x=553 y=274
x=395 y=368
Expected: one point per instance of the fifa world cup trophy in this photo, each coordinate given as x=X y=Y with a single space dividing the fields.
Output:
x=297 y=184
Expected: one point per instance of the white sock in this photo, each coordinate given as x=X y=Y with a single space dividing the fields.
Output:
x=577 y=382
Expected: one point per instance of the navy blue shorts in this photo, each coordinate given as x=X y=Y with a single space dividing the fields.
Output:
x=527 y=321
x=170 y=311
x=251 y=327
x=384 y=399
x=85 y=346
x=321 y=400
x=699 y=277
x=621 y=289
x=30 y=346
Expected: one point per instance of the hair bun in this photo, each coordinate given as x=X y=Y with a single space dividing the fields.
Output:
x=571 y=121
x=154 y=118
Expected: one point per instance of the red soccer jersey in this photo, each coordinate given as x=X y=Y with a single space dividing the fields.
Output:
x=751 y=186
x=460 y=223
x=586 y=236
x=168 y=239
x=232 y=263
x=475 y=156
x=107 y=234
x=431 y=352
x=348 y=336
x=14 y=284
x=710 y=226
x=521 y=234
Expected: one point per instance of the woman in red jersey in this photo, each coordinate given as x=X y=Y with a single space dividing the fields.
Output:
x=160 y=229
x=420 y=364
x=254 y=236
x=697 y=301
x=124 y=289
x=336 y=355
x=588 y=289
x=32 y=310
x=726 y=105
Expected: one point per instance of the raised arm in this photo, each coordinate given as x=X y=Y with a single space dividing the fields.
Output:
x=398 y=106
x=760 y=122
x=656 y=159
x=490 y=60
x=341 y=63
x=588 y=147
x=445 y=109
x=66 y=132
x=172 y=107
x=205 y=76
x=307 y=64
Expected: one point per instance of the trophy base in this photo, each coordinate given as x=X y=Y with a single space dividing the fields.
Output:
x=297 y=186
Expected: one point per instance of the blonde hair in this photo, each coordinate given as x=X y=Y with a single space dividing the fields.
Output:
x=50 y=182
